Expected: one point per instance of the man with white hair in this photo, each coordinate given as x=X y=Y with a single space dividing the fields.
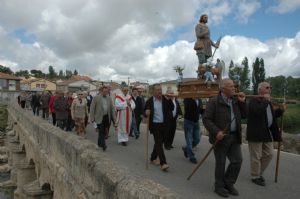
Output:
x=262 y=130
x=222 y=118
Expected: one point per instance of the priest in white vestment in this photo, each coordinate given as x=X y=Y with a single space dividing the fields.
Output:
x=124 y=107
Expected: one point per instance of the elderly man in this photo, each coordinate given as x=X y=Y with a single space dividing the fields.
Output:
x=262 y=130
x=222 y=118
x=203 y=38
x=102 y=112
x=159 y=108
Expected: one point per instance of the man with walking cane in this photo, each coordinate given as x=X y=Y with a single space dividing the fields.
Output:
x=159 y=109
x=262 y=130
x=221 y=111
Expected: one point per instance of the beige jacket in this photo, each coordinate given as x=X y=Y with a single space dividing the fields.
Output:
x=79 y=110
x=96 y=109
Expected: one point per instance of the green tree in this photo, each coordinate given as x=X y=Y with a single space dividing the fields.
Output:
x=22 y=73
x=6 y=70
x=37 y=73
x=52 y=74
x=258 y=73
x=230 y=71
x=245 y=80
x=61 y=74
x=278 y=83
x=75 y=72
x=68 y=74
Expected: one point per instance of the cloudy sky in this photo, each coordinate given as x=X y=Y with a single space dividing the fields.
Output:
x=145 y=39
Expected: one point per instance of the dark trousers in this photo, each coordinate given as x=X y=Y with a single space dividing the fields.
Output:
x=53 y=119
x=138 y=122
x=45 y=112
x=231 y=149
x=70 y=123
x=23 y=104
x=101 y=130
x=62 y=124
x=36 y=110
x=158 y=134
x=171 y=133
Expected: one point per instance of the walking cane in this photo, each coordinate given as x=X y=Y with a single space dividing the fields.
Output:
x=278 y=153
x=278 y=146
x=207 y=154
x=147 y=143
x=203 y=159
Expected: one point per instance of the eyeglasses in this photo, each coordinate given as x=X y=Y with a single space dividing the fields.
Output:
x=268 y=87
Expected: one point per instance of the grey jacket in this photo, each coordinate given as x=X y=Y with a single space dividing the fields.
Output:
x=96 y=109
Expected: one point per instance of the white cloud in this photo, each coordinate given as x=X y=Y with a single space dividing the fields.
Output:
x=246 y=8
x=114 y=39
x=285 y=6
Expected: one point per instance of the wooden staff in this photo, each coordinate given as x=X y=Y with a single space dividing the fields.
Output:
x=147 y=143
x=278 y=153
x=278 y=148
x=209 y=151
x=203 y=159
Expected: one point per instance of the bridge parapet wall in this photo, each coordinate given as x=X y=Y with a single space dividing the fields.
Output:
x=75 y=167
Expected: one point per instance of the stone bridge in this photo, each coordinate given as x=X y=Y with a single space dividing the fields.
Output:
x=46 y=162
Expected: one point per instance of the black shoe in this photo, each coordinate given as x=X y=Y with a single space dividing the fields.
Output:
x=184 y=152
x=222 y=192
x=232 y=190
x=104 y=148
x=262 y=178
x=131 y=135
x=172 y=147
x=137 y=137
x=193 y=160
x=124 y=143
x=259 y=181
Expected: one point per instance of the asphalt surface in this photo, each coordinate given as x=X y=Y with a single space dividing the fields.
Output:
x=201 y=184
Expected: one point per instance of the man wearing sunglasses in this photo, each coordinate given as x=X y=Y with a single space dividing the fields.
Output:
x=262 y=130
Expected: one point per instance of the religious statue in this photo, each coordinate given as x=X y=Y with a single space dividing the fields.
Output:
x=204 y=43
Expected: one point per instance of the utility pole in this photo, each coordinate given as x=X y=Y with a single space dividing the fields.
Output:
x=128 y=81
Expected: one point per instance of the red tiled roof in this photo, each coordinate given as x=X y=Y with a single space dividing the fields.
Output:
x=8 y=76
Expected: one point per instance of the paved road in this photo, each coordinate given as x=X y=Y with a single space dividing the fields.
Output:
x=201 y=184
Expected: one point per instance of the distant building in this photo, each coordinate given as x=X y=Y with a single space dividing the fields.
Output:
x=75 y=85
x=9 y=82
x=38 y=84
x=9 y=86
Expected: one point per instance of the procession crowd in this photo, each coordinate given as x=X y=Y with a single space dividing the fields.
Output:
x=221 y=117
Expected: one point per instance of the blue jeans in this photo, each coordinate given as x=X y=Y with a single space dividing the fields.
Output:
x=101 y=137
x=133 y=126
x=192 y=136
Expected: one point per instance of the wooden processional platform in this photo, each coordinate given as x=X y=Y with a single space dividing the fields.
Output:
x=198 y=89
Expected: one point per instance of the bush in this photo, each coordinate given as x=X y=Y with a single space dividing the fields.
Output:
x=291 y=119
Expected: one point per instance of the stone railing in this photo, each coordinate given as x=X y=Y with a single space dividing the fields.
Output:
x=71 y=167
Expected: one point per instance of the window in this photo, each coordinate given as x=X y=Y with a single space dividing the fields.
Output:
x=3 y=83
